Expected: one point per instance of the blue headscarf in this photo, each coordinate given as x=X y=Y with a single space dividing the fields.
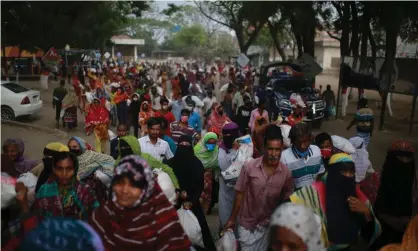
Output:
x=81 y=142
x=63 y=234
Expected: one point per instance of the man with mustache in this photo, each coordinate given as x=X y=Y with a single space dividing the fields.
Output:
x=263 y=184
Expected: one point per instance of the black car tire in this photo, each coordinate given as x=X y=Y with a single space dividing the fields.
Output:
x=7 y=113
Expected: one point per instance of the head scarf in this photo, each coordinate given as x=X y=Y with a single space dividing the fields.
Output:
x=22 y=164
x=397 y=182
x=360 y=158
x=97 y=115
x=338 y=189
x=139 y=171
x=89 y=161
x=301 y=221
x=209 y=158
x=185 y=174
x=230 y=132
x=84 y=146
x=216 y=119
x=62 y=234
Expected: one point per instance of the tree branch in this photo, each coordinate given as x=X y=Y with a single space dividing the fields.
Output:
x=333 y=36
x=211 y=18
x=337 y=8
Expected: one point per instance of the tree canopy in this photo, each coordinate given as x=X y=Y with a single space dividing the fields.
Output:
x=80 y=24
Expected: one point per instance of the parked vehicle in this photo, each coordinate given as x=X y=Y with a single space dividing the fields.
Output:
x=17 y=101
x=279 y=80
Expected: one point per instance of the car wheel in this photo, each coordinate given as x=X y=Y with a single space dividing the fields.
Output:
x=7 y=113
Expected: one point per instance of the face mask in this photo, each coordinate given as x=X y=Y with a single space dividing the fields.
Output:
x=326 y=153
x=302 y=154
x=165 y=107
x=184 y=119
x=76 y=151
x=210 y=147
x=135 y=99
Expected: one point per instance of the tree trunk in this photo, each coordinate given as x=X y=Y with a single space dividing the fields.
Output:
x=365 y=26
x=345 y=35
x=354 y=45
x=276 y=42
x=252 y=38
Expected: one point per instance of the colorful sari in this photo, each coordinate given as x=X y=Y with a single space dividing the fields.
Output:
x=144 y=116
x=217 y=120
x=97 y=120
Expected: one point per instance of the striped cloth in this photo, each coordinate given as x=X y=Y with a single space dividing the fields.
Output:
x=304 y=171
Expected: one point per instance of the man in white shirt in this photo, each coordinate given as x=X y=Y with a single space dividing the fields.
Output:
x=209 y=100
x=155 y=98
x=152 y=144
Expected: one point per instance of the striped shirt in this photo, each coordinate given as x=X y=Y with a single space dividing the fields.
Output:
x=304 y=170
x=177 y=131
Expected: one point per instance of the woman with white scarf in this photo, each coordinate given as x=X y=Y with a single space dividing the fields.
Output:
x=295 y=227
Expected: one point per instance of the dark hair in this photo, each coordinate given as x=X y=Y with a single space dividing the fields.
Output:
x=299 y=130
x=164 y=123
x=321 y=138
x=62 y=82
x=152 y=122
x=185 y=111
x=246 y=97
x=163 y=100
x=120 y=125
x=363 y=103
x=261 y=101
x=273 y=132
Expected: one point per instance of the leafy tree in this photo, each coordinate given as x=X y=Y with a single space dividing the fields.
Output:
x=79 y=24
x=245 y=18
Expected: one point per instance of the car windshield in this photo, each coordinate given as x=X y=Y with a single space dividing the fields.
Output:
x=15 y=87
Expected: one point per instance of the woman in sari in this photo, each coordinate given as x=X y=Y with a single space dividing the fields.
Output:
x=207 y=152
x=120 y=100
x=139 y=216
x=145 y=113
x=338 y=201
x=191 y=182
x=97 y=121
x=14 y=149
x=218 y=118
x=397 y=196
x=89 y=162
x=69 y=109
x=58 y=192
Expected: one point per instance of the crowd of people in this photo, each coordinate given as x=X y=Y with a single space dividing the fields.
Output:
x=297 y=190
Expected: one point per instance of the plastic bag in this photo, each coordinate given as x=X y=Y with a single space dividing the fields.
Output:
x=166 y=185
x=8 y=192
x=29 y=180
x=227 y=242
x=343 y=144
x=285 y=133
x=112 y=135
x=244 y=153
x=191 y=226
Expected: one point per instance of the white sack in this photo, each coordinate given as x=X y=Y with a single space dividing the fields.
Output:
x=191 y=226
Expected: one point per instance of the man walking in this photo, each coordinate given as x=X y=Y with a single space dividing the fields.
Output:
x=263 y=184
x=57 y=97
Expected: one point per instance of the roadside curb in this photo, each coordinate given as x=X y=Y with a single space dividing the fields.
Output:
x=36 y=127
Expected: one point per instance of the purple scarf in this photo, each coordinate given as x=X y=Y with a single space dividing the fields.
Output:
x=232 y=129
x=22 y=164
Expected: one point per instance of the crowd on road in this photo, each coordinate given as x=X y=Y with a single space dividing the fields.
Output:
x=202 y=138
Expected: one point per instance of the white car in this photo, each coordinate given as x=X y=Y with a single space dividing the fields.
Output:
x=17 y=100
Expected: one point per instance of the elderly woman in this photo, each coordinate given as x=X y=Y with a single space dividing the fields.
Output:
x=89 y=162
x=191 y=182
x=227 y=152
x=207 y=152
x=14 y=149
x=295 y=227
x=139 y=216
x=397 y=195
